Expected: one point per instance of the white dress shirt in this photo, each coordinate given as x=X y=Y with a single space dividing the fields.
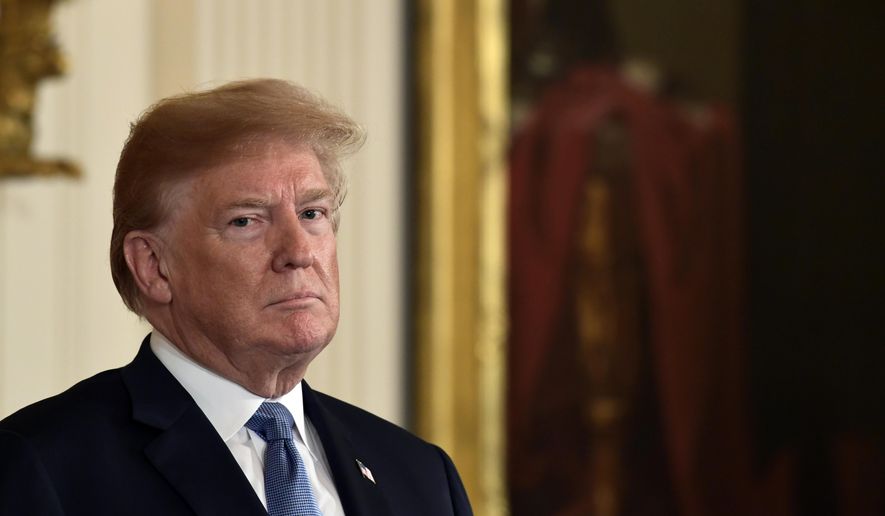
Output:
x=228 y=406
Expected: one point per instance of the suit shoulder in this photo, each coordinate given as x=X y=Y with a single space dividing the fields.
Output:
x=84 y=404
x=356 y=418
x=407 y=463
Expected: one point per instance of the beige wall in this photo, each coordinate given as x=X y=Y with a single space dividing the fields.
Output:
x=60 y=317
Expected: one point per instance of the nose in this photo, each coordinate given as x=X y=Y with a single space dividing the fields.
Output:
x=292 y=246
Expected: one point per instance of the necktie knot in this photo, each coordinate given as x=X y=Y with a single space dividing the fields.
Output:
x=286 y=485
x=272 y=421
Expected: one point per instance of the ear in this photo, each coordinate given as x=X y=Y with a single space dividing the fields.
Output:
x=142 y=250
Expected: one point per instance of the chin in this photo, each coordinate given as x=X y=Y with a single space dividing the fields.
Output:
x=306 y=339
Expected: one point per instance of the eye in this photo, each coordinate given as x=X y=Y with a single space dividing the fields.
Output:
x=240 y=222
x=311 y=214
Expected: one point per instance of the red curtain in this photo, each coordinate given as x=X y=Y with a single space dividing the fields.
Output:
x=685 y=199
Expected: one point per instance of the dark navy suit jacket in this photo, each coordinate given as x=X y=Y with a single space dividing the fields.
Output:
x=132 y=441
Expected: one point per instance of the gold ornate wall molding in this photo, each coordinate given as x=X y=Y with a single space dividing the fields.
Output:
x=461 y=321
x=28 y=54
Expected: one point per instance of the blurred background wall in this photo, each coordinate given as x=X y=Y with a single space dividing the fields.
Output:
x=60 y=317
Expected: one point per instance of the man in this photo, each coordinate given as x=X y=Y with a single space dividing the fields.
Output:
x=225 y=212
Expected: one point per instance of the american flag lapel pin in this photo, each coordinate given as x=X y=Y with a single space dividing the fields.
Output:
x=367 y=473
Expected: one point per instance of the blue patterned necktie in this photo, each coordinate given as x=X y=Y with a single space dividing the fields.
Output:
x=286 y=485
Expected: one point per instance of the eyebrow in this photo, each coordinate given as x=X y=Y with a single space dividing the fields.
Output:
x=255 y=202
x=315 y=194
x=308 y=196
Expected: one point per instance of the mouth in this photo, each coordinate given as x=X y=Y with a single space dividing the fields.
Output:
x=296 y=300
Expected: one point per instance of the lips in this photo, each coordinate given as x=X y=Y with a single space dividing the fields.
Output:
x=296 y=298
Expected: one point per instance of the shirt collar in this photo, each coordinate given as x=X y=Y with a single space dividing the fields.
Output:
x=226 y=404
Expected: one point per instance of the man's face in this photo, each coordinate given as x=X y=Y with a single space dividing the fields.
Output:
x=251 y=257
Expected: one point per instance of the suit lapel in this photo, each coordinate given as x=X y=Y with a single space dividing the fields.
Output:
x=359 y=495
x=187 y=451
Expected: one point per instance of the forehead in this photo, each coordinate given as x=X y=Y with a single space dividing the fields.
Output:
x=274 y=169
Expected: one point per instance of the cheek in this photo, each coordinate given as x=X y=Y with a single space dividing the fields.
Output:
x=332 y=268
x=328 y=271
x=229 y=274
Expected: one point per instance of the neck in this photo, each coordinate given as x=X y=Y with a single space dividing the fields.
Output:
x=263 y=374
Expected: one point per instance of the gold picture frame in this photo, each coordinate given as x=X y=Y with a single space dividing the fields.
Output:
x=460 y=236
